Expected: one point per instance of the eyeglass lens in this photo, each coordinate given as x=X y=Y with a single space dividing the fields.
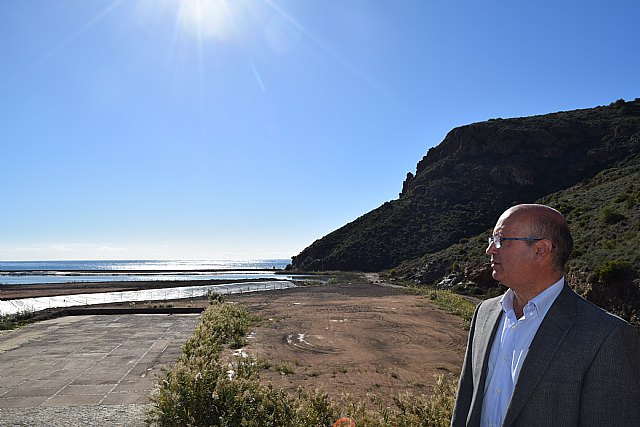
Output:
x=495 y=240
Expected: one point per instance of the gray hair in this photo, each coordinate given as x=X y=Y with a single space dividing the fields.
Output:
x=556 y=229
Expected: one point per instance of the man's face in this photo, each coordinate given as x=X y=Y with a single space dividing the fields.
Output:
x=512 y=264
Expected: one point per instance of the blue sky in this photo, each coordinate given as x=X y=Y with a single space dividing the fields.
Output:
x=204 y=129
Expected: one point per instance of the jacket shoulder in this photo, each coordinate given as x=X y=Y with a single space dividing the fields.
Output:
x=593 y=313
x=489 y=305
x=595 y=320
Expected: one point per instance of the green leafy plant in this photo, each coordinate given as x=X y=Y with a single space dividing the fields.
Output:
x=610 y=271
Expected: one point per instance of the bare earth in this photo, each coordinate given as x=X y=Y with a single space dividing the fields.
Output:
x=346 y=338
x=354 y=339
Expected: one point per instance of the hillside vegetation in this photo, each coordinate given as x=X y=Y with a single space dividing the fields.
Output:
x=604 y=216
x=461 y=186
x=586 y=163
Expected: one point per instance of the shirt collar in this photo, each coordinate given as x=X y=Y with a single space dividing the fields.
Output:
x=540 y=304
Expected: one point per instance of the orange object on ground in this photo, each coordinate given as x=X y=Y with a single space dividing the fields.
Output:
x=344 y=422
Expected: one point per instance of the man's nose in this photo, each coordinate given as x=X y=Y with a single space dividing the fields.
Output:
x=491 y=249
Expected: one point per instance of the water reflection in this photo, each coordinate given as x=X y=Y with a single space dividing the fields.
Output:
x=42 y=303
x=31 y=277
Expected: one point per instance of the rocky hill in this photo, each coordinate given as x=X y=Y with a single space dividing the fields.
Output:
x=461 y=186
x=604 y=216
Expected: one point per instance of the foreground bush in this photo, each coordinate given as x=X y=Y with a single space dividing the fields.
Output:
x=201 y=390
x=13 y=321
x=410 y=410
x=214 y=397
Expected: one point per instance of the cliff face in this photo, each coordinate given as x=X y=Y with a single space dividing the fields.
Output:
x=461 y=186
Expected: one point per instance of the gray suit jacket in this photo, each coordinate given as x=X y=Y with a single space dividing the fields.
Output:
x=582 y=368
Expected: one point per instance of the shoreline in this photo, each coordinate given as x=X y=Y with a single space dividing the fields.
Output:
x=47 y=272
x=13 y=292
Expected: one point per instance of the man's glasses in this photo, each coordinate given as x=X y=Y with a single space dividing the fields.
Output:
x=497 y=240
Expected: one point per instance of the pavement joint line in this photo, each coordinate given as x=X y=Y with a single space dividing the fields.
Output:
x=46 y=368
x=131 y=368
x=83 y=372
x=91 y=354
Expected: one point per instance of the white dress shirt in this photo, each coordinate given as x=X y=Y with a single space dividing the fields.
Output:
x=509 y=349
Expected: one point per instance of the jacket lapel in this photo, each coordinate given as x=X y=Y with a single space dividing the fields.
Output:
x=551 y=332
x=485 y=334
x=485 y=338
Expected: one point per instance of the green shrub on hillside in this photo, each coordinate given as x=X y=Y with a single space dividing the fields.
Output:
x=609 y=216
x=610 y=271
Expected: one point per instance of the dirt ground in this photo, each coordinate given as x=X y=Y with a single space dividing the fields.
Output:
x=353 y=339
x=341 y=338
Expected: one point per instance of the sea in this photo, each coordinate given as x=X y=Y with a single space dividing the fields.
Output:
x=39 y=272
x=249 y=274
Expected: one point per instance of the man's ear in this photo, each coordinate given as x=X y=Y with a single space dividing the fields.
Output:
x=543 y=249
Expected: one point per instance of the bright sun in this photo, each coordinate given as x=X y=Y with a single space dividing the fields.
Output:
x=207 y=18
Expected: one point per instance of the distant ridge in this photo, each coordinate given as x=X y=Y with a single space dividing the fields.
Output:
x=461 y=186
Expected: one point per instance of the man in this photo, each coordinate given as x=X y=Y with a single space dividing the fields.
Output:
x=540 y=355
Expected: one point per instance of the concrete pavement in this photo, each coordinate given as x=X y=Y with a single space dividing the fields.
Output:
x=95 y=360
